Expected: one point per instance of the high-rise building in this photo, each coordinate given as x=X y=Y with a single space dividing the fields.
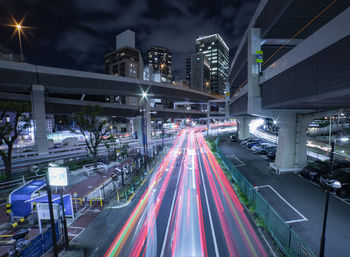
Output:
x=200 y=72
x=188 y=69
x=217 y=52
x=125 y=61
x=159 y=58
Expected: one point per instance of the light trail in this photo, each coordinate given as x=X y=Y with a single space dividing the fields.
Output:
x=195 y=216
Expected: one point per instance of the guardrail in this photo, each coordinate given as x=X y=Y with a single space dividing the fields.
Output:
x=4 y=186
x=91 y=167
x=285 y=237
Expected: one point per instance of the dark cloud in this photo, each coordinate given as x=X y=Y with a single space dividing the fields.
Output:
x=77 y=34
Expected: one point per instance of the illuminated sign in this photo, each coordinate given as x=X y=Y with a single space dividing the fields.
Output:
x=58 y=176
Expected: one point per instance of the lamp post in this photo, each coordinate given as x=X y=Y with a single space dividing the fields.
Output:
x=19 y=27
x=334 y=185
x=52 y=219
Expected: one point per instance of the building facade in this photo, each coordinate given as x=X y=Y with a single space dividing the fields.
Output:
x=200 y=72
x=159 y=59
x=217 y=52
x=188 y=69
x=125 y=61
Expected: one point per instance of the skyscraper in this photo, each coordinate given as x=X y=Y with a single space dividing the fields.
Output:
x=125 y=61
x=217 y=52
x=200 y=72
x=188 y=69
x=159 y=59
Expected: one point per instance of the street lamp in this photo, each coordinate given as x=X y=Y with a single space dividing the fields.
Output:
x=19 y=29
x=333 y=185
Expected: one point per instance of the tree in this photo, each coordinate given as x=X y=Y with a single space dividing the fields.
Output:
x=93 y=128
x=12 y=123
x=124 y=150
x=110 y=144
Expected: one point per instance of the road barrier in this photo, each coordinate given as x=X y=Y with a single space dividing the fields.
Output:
x=91 y=168
x=283 y=234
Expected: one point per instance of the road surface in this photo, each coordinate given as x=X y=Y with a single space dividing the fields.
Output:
x=188 y=209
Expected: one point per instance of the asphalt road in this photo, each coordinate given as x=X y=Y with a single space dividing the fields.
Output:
x=304 y=211
x=188 y=208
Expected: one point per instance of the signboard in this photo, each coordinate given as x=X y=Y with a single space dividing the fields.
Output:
x=44 y=211
x=58 y=176
x=259 y=56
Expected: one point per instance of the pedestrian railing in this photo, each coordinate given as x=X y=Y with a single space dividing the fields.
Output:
x=91 y=168
x=283 y=234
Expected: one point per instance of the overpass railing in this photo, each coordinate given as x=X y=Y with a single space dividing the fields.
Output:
x=283 y=234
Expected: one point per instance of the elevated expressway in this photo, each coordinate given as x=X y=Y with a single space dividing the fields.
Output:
x=304 y=75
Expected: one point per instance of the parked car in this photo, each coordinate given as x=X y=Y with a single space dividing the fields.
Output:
x=233 y=138
x=313 y=171
x=256 y=142
x=271 y=154
x=246 y=141
x=265 y=148
x=342 y=176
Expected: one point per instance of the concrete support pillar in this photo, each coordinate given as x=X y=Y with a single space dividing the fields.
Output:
x=254 y=92
x=291 y=153
x=243 y=127
x=39 y=119
x=208 y=117
x=144 y=124
x=139 y=131
x=147 y=118
x=227 y=100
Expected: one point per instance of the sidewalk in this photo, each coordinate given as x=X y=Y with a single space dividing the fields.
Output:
x=82 y=185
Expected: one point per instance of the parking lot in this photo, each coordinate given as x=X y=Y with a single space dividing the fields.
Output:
x=298 y=201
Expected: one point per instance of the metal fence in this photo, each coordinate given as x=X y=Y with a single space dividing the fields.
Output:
x=286 y=238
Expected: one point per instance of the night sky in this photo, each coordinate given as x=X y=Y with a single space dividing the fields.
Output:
x=77 y=34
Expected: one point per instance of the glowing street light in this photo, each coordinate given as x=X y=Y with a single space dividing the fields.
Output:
x=19 y=29
x=144 y=94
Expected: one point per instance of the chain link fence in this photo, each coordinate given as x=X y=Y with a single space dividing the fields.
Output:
x=285 y=237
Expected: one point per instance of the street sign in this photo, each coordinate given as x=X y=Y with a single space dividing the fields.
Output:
x=259 y=56
x=44 y=211
x=58 y=176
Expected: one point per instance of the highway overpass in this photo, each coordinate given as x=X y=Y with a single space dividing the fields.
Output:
x=304 y=73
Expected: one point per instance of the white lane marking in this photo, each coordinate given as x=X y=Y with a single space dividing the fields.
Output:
x=241 y=162
x=206 y=200
x=303 y=218
x=342 y=199
x=171 y=211
x=293 y=221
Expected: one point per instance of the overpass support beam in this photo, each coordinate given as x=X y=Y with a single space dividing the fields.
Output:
x=253 y=84
x=208 y=117
x=243 y=127
x=291 y=153
x=144 y=123
x=39 y=119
